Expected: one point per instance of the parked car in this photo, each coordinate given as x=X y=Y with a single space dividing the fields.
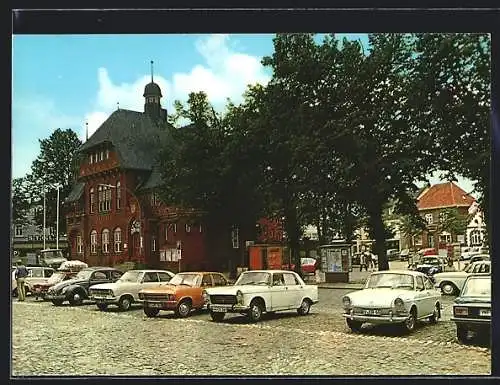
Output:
x=41 y=288
x=393 y=297
x=76 y=290
x=432 y=264
x=472 y=309
x=404 y=254
x=181 y=294
x=124 y=292
x=37 y=275
x=308 y=265
x=451 y=283
x=13 y=286
x=260 y=291
x=478 y=257
x=426 y=251
x=468 y=252
x=392 y=254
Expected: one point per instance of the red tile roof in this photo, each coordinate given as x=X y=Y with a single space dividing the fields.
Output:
x=444 y=195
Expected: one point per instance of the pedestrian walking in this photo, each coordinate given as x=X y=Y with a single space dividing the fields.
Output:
x=20 y=274
x=364 y=260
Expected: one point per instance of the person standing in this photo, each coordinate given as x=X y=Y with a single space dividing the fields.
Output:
x=20 y=275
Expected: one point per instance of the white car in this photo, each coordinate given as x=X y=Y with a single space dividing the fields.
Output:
x=37 y=275
x=125 y=291
x=261 y=291
x=393 y=297
x=452 y=282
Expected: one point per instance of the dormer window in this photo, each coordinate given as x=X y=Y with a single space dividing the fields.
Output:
x=91 y=158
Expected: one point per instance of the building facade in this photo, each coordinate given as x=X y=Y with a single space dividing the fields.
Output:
x=114 y=213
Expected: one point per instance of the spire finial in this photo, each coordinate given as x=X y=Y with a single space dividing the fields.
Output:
x=151 y=71
x=86 y=131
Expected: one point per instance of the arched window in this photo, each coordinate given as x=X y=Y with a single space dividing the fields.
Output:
x=107 y=198
x=79 y=244
x=105 y=241
x=475 y=238
x=118 y=195
x=92 y=200
x=117 y=237
x=100 y=197
x=93 y=241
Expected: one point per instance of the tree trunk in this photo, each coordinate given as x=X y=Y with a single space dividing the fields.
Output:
x=293 y=232
x=378 y=234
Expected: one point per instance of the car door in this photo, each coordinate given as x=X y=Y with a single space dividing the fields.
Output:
x=293 y=291
x=431 y=294
x=279 y=298
x=420 y=296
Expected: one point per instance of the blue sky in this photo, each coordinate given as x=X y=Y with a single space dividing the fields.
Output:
x=64 y=81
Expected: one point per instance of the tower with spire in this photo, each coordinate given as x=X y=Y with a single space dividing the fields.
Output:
x=152 y=96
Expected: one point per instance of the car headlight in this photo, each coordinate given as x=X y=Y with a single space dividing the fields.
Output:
x=399 y=305
x=346 y=301
x=206 y=297
x=239 y=297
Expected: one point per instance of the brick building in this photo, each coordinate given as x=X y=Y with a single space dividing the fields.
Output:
x=432 y=203
x=114 y=213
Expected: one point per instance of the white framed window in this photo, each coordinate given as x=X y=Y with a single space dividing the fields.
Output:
x=92 y=200
x=428 y=219
x=475 y=237
x=445 y=238
x=155 y=200
x=93 y=241
x=188 y=228
x=235 y=238
x=117 y=237
x=19 y=230
x=100 y=198
x=91 y=158
x=118 y=195
x=174 y=226
x=79 y=244
x=107 y=154
x=101 y=156
x=153 y=243
x=166 y=232
x=430 y=240
x=107 y=199
x=105 y=241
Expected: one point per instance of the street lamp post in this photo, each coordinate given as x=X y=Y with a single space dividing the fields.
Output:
x=44 y=218
x=57 y=219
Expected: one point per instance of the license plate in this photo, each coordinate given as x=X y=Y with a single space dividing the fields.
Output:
x=485 y=312
x=154 y=305
x=218 y=309
x=372 y=311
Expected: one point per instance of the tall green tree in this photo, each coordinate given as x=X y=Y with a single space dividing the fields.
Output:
x=54 y=166
x=20 y=200
x=450 y=94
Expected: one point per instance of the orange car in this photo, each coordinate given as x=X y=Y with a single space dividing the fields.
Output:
x=181 y=294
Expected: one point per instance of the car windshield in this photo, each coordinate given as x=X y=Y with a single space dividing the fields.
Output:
x=58 y=276
x=84 y=274
x=469 y=267
x=185 y=279
x=254 y=278
x=390 y=280
x=477 y=287
x=130 y=276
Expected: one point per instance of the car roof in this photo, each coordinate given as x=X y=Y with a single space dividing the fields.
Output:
x=482 y=261
x=270 y=271
x=200 y=272
x=399 y=271
x=100 y=268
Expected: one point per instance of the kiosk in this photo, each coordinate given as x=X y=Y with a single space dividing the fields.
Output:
x=336 y=261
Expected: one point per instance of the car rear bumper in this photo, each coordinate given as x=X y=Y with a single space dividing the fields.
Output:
x=472 y=321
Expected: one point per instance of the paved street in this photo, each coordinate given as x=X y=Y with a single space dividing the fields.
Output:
x=49 y=340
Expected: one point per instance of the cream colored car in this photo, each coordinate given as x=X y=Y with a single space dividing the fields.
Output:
x=451 y=283
x=261 y=291
x=125 y=291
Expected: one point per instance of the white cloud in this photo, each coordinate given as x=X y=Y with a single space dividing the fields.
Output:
x=224 y=74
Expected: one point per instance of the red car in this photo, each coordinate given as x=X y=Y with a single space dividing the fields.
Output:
x=308 y=265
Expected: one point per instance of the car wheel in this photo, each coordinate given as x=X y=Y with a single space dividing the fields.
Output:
x=183 y=309
x=304 y=308
x=151 y=312
x=355 y=326
x=75 y=299
x=57 y=302
x=255 y=312
x=217 y=317
x=448 y=288
x=436 y=314
x=124 y=303
x=102 y=306
x=462 y=334
x=411 y=321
